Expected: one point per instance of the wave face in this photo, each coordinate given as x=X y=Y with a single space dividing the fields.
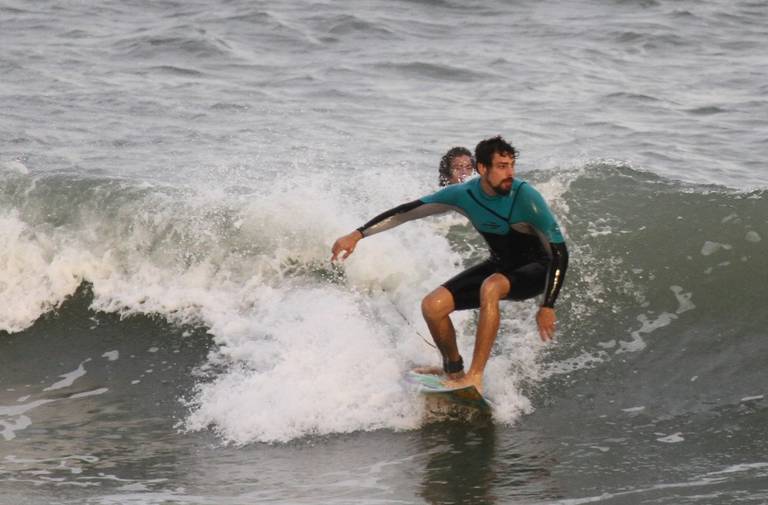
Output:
x=667 y=280
x=658 y=269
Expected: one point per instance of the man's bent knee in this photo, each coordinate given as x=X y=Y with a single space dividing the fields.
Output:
x=494 y=288
x=437 y=304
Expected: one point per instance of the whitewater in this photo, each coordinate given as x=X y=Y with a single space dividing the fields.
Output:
x=172 y=178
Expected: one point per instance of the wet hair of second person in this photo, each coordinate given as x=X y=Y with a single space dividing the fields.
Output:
x=455 y=166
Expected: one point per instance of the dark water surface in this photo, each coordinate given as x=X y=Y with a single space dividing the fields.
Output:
x=172 y=176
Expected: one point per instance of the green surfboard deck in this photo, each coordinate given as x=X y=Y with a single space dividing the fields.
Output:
x=468 y=396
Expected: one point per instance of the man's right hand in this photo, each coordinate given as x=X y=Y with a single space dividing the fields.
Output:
x=344 y=246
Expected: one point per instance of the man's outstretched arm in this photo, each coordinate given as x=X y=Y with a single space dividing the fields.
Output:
x=344 y=246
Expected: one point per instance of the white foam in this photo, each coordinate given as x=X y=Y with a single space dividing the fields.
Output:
x=583 y=361
x=15 y=166
x=305 y=350
x=683 y=299
x=8 y=429
x=598 y=228
x=675 y=438
x=86 y=394
x=709 y=248
x=320 y=367
x=14 y=418
x=742 y=467
x=606 y=497
x=648 y=325
x=68 y=378
x=38 y=273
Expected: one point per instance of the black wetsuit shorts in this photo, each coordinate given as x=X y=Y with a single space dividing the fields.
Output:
x=526 y=281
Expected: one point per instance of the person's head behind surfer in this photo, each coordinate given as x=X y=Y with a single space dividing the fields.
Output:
x=456 y=166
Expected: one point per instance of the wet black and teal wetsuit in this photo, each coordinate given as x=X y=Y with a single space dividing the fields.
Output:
x=524 y=239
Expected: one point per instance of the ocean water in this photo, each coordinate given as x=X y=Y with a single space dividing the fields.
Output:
x=173 y=174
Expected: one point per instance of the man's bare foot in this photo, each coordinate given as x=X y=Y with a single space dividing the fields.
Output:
x=465 y=381
x=428 y=370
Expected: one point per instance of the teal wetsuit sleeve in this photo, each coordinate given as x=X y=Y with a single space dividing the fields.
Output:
x=541 y=218
x=537 y=214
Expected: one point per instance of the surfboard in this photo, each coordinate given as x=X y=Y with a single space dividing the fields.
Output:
x=468 y=396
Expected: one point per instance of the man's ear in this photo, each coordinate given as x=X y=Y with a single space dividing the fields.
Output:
x=481 y=168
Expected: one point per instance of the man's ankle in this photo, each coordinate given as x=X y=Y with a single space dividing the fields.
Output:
x=453 y=367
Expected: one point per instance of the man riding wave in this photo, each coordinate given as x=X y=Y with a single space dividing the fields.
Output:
x=528 y=256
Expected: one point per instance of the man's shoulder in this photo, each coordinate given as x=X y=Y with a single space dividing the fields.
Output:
x=449 y=194
x=524 y=188
x=462 y=187
x=521 y=184
x=534 y=208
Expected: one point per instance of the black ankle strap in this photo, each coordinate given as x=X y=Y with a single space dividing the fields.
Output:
x=453 y=366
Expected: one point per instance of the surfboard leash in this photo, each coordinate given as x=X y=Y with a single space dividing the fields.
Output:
x=397 y=309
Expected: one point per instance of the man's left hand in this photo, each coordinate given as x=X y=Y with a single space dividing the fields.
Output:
x=546 y=320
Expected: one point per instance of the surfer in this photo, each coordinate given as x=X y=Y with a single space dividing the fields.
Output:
x=456 y=166
x=528 y=256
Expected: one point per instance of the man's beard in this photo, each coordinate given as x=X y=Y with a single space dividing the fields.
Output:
x=500 y=190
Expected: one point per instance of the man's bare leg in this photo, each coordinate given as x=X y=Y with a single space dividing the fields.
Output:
x=436 y=308
x=494 y=288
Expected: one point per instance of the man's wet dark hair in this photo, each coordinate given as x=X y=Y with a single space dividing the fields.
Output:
x=447 y=159
x=486 y=148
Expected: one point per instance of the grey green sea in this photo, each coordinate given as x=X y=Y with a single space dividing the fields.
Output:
x=172 y=177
